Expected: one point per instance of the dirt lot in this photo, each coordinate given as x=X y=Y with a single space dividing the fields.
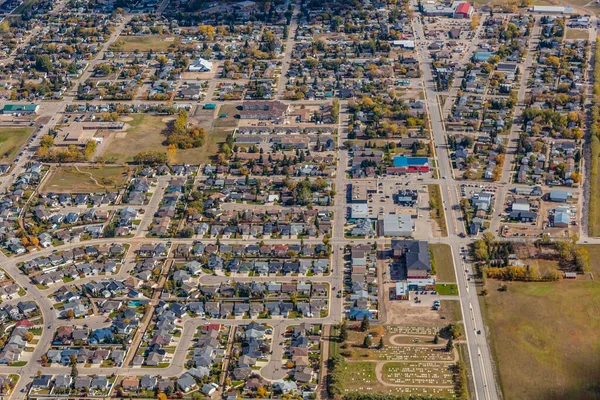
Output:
x=406 y=312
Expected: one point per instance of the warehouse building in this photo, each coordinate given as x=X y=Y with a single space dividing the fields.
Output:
x=20 y=109
x=396 y=225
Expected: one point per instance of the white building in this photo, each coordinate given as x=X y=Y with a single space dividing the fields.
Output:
x=396 y=225
x=200 y=65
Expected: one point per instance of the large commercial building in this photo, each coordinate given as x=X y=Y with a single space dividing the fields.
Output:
x=403 y=164
x=417 y=259
x=20 y=109
x=552 y=9
x=200 y=65
x=396 y=225
x=458 y=9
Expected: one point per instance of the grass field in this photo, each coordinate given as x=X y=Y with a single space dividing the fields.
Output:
x=11 y=140
x=447 y=289
x=146 y=133
x=70 y=180
x=577 y=34
x=437 y=211
x=229 y=121
x=145 y=43
x=25 y=6
x=444 y=265
x=545 y=337
x=594 y=212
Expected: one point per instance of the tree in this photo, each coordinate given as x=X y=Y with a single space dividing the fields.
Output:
x=47 y=141
x=43 y=63
x=553 y=61
x=70 y=314
x=162 y=396
x=367 y=342
x=171 y=151
x=449 y=345
x=364 y=325
x=74 y=371
x=261 y=392
x=436 y=339
x=208 y=31
x=151 y=157
x=28 y=336
x=162 y=61
x=343 y=331
x=380 y=343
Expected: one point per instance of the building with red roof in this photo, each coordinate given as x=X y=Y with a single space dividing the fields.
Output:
x=464 y=10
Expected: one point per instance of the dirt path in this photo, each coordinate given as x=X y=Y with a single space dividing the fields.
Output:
x=90 y=175
x=425 y=342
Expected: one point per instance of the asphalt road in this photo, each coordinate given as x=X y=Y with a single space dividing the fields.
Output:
x=480 y=358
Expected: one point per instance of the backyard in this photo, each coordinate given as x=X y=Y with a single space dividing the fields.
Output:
x=85 y=179
x=545 y=336
x=11 y=140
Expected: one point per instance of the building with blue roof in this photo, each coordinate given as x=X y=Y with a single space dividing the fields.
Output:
x=560 y=196
x=404 y=164
x=482 y=56
x=358 y=315
x=103 y=335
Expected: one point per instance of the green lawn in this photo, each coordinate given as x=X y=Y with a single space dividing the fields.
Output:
x=72 y=180
x=545 y=338
x=11 y=141
x=450 y=289
x=437 y=211
x=444 y=265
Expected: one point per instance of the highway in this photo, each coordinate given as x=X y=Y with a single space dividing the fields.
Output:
x=479 y=353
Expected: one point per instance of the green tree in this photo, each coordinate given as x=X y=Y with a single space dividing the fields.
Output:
x=367 y=342
x=344 y=331
x=364 y=325
x=43 y=63
x=449 y=345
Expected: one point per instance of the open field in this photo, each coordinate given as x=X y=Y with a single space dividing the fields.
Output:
x=144 y=43
x=437 y=208
x=544 y=336
x=205 y=153
x=11 y=140
x=594 y=211
x=25 y=6
x=444 y=265
x=229 y=121
x=447 y=289
x=146 y=133
x=85 y=179
x=577 y=34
